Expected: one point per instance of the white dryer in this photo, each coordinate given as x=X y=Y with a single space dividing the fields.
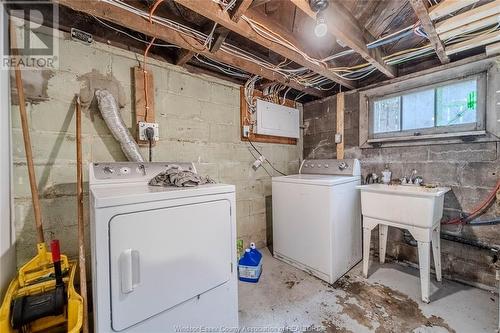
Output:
x=317 y=218
x=163 y=258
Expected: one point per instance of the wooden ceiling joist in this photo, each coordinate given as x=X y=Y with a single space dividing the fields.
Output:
x=257 y=3
x=219 y=39
x=125 y=18
x=241 y=9
x=488 y=38
x=344 y=26
x=213 y=12
x=447 y=7
x=184 y=56
x=423 y=15
x=478 y=13
x=473 y=26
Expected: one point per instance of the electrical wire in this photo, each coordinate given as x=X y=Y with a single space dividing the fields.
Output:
x=284 y=96
x=256 y=158
x=144 y=69
x=208 y=41
x=300 y=75
x=272 y=166
x=248 y=89
x=228 y=70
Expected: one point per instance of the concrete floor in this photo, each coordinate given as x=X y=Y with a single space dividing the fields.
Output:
x=288 y=299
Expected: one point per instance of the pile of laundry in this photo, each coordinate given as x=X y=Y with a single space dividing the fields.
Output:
x=175 y=175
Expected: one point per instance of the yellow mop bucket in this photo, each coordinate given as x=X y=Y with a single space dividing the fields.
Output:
x=36 y=277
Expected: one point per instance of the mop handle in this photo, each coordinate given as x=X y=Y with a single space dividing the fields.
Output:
x=56 y=259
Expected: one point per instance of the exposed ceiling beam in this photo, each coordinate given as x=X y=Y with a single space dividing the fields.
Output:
x=447 y=7
x=220 y=37
x=488 y=38
x=344 y=26
x=257 y=3
x=383 y=15
x=423 y=15
x=184 y=56
x=493 y=49
x=473 y=26
x=241 y=9
x=213 y=12
x=478 y=13
x=133 y=21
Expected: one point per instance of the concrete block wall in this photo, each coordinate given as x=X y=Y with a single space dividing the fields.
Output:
x=199 y=121
x=470 y=169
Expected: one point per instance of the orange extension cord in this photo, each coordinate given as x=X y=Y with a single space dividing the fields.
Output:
x=146 y=97
x=478 y=210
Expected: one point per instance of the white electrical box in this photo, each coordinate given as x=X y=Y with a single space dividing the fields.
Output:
x=277 y=120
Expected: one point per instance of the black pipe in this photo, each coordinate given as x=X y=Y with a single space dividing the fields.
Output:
x=493 y=221
x=470 y=242
x=408 y=239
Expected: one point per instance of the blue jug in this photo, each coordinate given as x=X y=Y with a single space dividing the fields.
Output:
x=255 y=253
x=250 y=266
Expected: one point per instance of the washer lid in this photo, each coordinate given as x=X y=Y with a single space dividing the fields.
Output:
x=312 y=179
x=125 y=194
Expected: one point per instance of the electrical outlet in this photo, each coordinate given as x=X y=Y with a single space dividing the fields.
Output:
x=338 y=138
x=246 y=131
x=142 y=130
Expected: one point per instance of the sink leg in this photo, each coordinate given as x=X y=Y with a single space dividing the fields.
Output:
x=382 y=241
x=424 y=261
x=367 y=234
x=436 y=251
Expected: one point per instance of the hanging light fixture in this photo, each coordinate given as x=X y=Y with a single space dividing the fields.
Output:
x=319 y=6
x=321 y=28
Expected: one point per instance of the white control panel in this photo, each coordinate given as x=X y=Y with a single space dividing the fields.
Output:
x=331 y=167
x=110 y=172
x=278 y=120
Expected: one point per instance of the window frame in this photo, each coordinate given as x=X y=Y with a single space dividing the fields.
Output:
x=441 y=131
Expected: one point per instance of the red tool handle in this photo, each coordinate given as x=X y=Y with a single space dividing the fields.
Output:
x=56 y=252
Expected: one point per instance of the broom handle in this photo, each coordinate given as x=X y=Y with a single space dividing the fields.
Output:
x=26 y=138
x=81 y=226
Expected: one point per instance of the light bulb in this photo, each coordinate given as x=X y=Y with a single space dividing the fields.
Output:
x=321 y=28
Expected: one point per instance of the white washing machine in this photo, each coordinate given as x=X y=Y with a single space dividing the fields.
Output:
x=317 y=218
x=163 y=258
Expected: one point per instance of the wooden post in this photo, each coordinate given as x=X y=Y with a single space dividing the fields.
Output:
x=26 y=138
x=81 y=223
x=141 y=95
x=340 y=124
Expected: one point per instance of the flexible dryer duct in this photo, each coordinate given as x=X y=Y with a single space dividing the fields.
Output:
x=112 y=117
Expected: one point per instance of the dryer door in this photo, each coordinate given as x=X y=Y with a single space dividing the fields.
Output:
x=160 y=258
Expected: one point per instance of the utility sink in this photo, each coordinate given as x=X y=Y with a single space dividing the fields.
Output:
x=417 y=209
x=417 y=206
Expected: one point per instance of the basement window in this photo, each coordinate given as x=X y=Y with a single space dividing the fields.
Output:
x=448 y=108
